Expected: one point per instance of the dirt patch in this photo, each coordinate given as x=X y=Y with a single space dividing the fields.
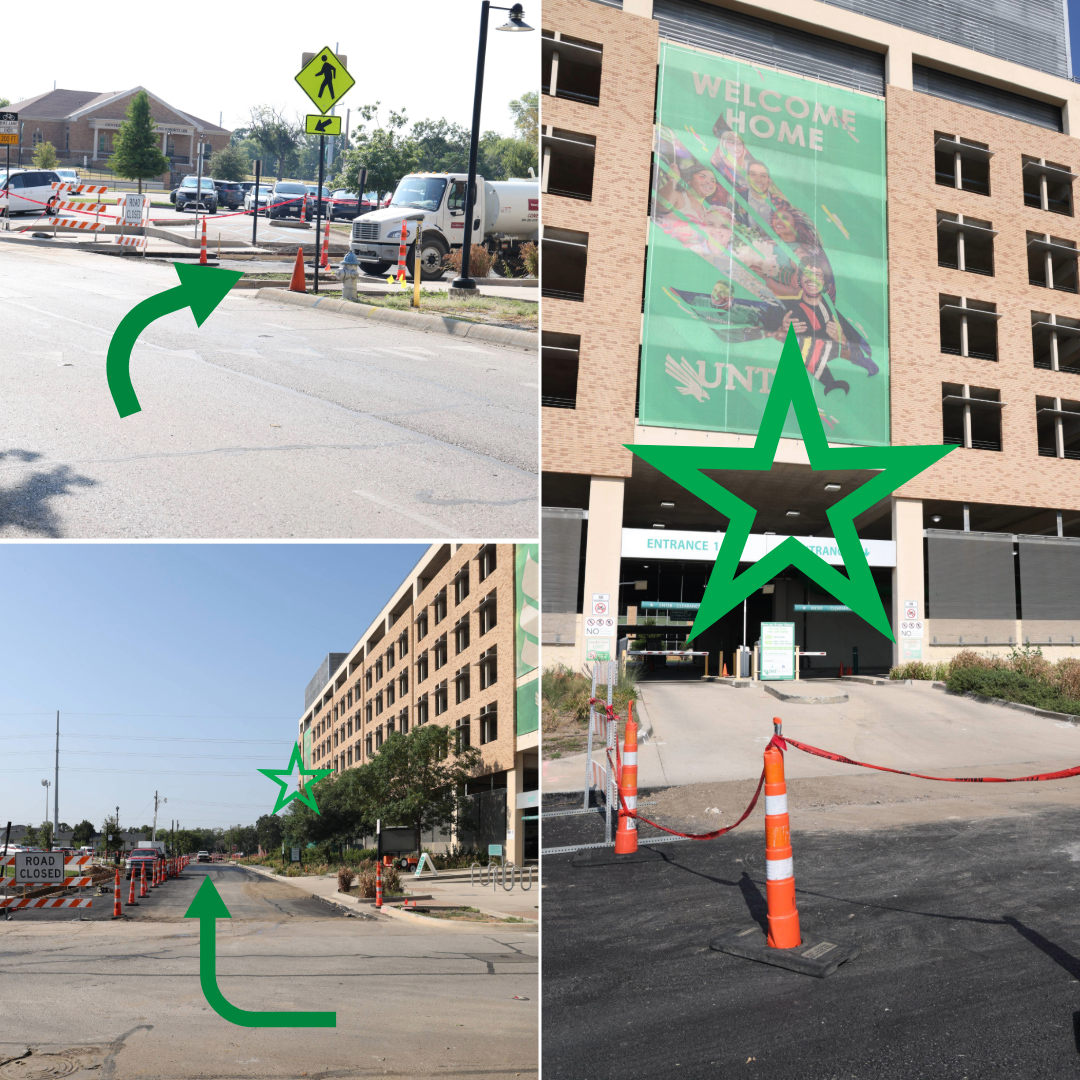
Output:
x=461 y=914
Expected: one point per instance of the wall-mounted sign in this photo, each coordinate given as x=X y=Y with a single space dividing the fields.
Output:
x=705 y=546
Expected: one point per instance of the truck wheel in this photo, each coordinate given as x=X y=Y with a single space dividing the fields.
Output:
x=376 y=269
x=403 y=864
x=433 y=251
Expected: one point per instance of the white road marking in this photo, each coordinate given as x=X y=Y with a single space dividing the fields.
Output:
x=431 y=523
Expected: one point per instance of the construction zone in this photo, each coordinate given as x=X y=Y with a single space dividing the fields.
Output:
x=914 y=887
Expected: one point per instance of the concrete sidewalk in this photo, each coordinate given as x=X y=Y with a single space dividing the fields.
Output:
x=708 y=732
x=450 y=889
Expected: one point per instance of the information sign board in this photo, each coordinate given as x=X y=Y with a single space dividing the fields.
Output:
x=777 y=650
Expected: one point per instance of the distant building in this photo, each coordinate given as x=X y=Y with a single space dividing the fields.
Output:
x=82 y=125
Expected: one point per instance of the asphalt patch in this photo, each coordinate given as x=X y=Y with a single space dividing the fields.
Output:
x=969 y=965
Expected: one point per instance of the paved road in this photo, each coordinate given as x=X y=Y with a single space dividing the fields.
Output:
x=269 y=421
x=122 y=1000
x=970 y=964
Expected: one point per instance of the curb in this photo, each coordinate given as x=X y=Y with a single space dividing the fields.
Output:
x=1032 y=710
x=731 y=680
x=437 y=324
x=645 y=728
x=874 y=680
x=805 y=699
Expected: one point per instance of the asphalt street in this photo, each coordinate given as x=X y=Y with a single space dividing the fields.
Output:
x=268 y=421
x=970 y=963
x=123 y=999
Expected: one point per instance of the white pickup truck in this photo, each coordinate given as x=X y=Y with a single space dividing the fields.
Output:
x=507 y=216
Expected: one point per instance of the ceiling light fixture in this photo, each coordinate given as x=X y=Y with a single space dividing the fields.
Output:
x=832 y=487
x=936 y=518
x=658 y=525
x=792 y=513
x=667 y=506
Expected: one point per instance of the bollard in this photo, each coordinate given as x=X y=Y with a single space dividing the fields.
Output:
x=324 y=262
x=378 y=884
x=399 y=277
x=779 y=868
x=131 y=889
x=116 y=912
x=142 y=883
x=202 y=251
x=626 y=837
x=417 y=273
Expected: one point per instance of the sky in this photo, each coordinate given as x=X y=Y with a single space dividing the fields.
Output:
x=176 y=667
x=417 y=55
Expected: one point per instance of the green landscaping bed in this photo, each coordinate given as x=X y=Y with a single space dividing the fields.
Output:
x=493 y=310
x=462 y=914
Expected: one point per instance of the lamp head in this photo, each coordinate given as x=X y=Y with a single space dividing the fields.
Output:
x=516 y=20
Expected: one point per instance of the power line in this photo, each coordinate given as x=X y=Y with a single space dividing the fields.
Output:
x=145 y=738
x=143 y=754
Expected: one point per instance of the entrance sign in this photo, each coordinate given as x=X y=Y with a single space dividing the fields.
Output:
x=768 y=212
x=777 y=650
x=322 y=125
x=822 y=607
x=39 y=867
x=324 y=79
x=705 y=546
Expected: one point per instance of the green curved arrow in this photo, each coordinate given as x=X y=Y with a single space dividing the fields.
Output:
x=201 y=288
x=206 y=907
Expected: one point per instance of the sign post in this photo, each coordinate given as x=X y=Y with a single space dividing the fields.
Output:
x=9 y=135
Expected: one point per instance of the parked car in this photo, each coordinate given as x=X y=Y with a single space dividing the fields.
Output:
x=188 y=194
x=139 y=858
x=313 y=199
x=288 y=200
x=265 y=197
x=27 y=190
x=69 y=176
x=343 y=204
x=247 y=185
x=230 y=195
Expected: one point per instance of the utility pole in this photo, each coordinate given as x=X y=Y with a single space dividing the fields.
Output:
x=156 y=801
x=56 y=782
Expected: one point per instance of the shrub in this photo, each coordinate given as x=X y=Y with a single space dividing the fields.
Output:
x=479 y=261
x=365 y=885
x=530 y=256
x=1029 y=661
x=345 y=879
x=919 y=669
x=1011 y=685
x=1066 y=677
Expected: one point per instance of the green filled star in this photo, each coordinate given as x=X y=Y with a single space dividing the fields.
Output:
x=283 y=776
x=791 y=388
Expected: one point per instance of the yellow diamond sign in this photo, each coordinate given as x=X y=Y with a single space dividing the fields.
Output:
x=324 y=79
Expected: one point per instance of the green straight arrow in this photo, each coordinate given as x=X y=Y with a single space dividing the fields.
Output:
x=207 y=907
x=201 y=288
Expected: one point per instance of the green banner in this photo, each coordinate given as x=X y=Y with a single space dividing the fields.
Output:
x=768 y=212
x=527 y=607
x=528 y=707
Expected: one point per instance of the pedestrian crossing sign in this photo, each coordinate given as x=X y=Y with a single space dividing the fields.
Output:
x=322 y=125
x=324 y=79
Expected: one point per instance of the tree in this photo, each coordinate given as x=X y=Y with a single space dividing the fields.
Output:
x=384 y=152
x=137 y=154
x=526 y=112
x=4 y=101
x=229 y=163
x=44 y=835
x=501 y=158
x=275 y=135
x=269 y=832
x=45 y=156
x=30 y=838
x=82 y=833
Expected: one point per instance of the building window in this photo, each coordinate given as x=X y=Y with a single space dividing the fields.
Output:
x=489 y=724
x=567 y=164
x=101 y=145
x=421 y=626
x=378 y=703
x=37 y=138
x=349 y=728
x=348 y=755
x=486 y=561
x=559 y=358
x=971 y=416
x=440 y=698
x=378 y=737
x=335 y=738
x=403 y=683
x=1055 y=342
x=1047 y=185
x=968 y=327
x=348 y=700
x=422 y=710
x=403 y=721
x=565 y=254
x=378 y=668
x=489 y=671
x=461 y=635
x=570 y=67
x=390 y=658
x=390 y=725
x=965 y=243
x=462 y=685
x=367 y=678
x=367 y=744
x=962 y=163
x=1058 y=424
x=461 y=584
x=367 y=712
x=403 y=645
x=390 y=692
x=464 y=734
x=488 y=616
x=1051 y=262
x=440 y=652
x=438 y=607
x=421 y=667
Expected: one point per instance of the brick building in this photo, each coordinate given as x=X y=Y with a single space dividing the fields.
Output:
x=702 y=164
x=456 y=645
x=82 y=124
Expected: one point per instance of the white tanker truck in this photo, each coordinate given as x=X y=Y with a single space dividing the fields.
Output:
x=507 y=216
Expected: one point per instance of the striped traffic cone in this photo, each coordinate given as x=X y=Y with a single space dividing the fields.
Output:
x=324 y=262
x=399 y=277
x=131 y=889
x=116 y=912
x=626 y=838
x=779 y=869
x=202 y=252
x=142 y=882
x=378 y=884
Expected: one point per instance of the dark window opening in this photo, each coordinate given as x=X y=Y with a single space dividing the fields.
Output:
x=559 y=358
x=1051 y=262
x=968 y=328
x=1055 y=331
x=1057 y=421
x=570 y=68
x=565 y=255
x=569 y=160
x=962 y=163
x=965 y=244
x=1047 y=185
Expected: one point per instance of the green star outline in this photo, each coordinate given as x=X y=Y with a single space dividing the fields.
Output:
x=306 y=797
x=726 y=588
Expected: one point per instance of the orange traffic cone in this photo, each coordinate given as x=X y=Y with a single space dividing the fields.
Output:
x=142 y=882
x=202 y=252
x=626 y=838
x=298 y=284
x=324 y=262
x=116 y=912
x=779 y=871
x=725 y=675
x=131 y=888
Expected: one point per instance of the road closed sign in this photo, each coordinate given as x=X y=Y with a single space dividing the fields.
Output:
x=132 y=208
x=39 y=867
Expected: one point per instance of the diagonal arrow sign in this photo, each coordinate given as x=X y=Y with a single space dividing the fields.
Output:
x=322 y=125
x=208 y=907
x=201 y=288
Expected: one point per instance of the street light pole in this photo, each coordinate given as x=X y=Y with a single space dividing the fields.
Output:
x=464 y=283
